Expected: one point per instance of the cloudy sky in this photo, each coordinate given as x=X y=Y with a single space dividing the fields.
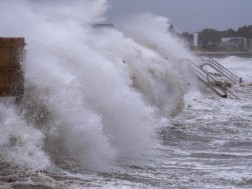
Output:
x=189 y=15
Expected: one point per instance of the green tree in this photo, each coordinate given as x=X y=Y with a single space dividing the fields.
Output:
x=245 y=31
x=210 y=35
x=228 y=33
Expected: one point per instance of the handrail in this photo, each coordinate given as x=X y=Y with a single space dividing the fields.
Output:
x=205 y=78
x=222 y=70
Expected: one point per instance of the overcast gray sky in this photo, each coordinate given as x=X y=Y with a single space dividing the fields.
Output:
x=190 y=15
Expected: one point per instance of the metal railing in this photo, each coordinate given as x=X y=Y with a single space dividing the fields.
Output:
x=222 y=70
x=209 y=81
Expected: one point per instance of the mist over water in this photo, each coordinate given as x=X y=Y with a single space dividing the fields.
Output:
x=115 y=107
x=92 y=94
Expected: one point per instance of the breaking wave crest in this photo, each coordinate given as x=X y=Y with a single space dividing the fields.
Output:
x=92 y=94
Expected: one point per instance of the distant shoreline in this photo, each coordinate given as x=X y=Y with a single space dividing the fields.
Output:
x=224 y=54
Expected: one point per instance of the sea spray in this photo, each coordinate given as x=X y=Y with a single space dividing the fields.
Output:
x=166 y=51
x=93 y=94
x=20 y=143
x=77 y=130
x=149 y=73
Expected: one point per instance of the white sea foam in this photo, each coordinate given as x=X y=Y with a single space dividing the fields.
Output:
x=240 y=66
x=92 y=94
x=20 y=141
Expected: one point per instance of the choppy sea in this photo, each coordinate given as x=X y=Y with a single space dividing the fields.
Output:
x=208 y=145
x=114 y=107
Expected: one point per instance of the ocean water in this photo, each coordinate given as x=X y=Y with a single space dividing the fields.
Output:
x=115 y=108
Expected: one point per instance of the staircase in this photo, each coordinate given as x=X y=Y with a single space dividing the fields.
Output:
x=211 y=82
x=220 y=69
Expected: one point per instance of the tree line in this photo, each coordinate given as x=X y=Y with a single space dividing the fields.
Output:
x=215 y=35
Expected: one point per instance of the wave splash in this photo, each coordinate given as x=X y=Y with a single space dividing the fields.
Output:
x=91 y=94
